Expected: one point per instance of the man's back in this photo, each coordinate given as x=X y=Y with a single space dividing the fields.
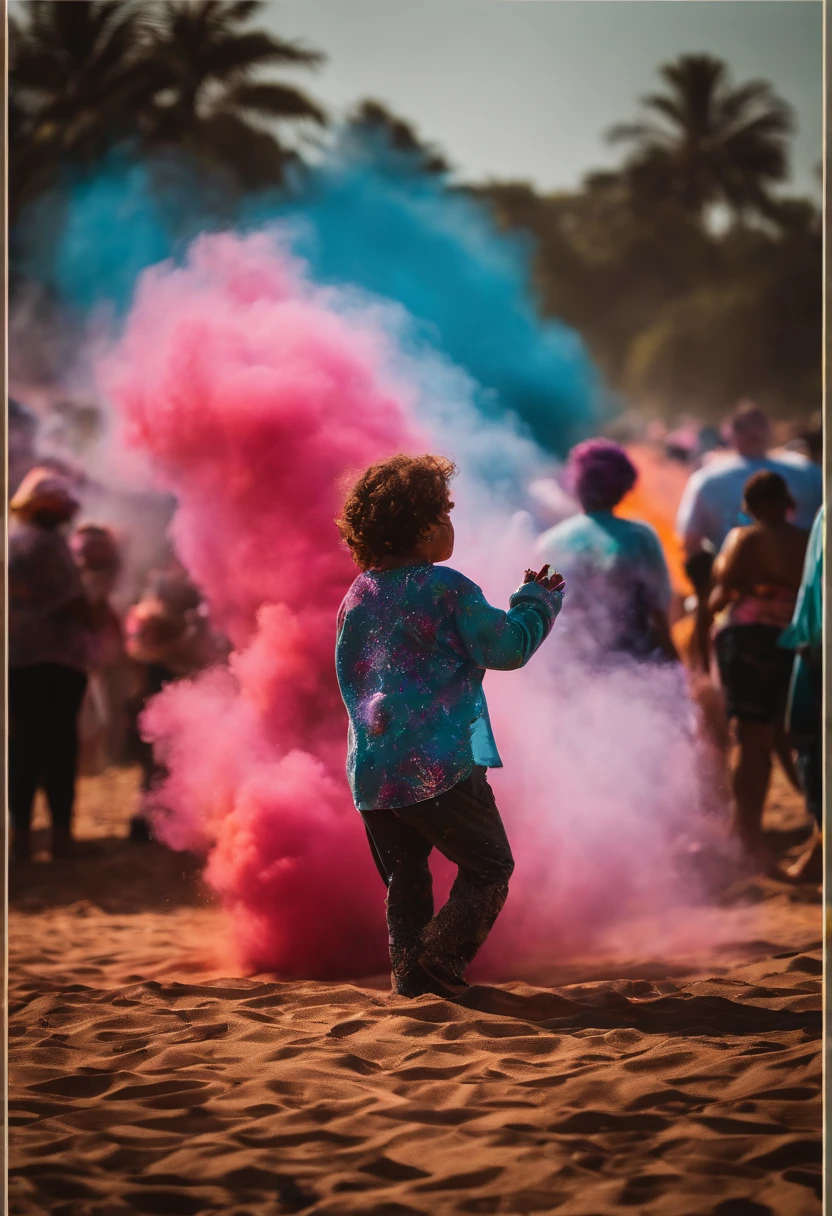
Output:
x=711 y=505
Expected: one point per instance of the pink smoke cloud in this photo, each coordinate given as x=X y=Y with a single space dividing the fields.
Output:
x=253 y=401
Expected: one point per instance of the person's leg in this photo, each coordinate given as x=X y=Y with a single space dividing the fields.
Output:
x=25 y=746
x=778 y=687
x=465 y=825
x=809 y=866
x=755 y=674
x=157 y=677
x=810 y=771
x=814 y=779
x=751 y=775
x=401 y=855
x=785 y=754
x=60 y=761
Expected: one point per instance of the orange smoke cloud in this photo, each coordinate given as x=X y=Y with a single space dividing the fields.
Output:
x=655 y=499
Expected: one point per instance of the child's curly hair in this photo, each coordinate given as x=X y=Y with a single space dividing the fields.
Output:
x=392 y=505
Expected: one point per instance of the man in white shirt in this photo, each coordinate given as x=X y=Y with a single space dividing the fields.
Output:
x=712 y=501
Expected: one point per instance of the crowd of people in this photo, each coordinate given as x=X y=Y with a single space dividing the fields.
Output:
x=80 y=671
x=750 y=521
x=753 y=649
x=745 y=522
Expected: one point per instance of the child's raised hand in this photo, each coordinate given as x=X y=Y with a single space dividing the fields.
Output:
x=552 y=583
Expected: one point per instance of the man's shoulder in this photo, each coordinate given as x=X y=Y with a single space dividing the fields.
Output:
x=721 y=468
x=796 y=467
x=795 y=460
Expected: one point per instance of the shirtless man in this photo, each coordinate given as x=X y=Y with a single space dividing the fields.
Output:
x=756 y=580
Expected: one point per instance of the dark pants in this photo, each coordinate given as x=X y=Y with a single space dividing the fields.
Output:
x=44 y=702
x=810 y=771
x=808 y=742
x=156 y=677
x=755 y=672
x=465 y=826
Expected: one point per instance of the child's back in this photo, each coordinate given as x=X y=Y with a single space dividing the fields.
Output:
x=413 y=645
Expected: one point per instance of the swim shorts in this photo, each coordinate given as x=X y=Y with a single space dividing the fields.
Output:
x=754 y=672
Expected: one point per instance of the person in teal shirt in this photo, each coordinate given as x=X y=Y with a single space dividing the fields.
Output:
x=414 y=640
x=805 y=706
x=620 y=606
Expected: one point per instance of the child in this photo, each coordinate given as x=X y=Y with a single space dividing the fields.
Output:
x=168 y=637
x=413 y=643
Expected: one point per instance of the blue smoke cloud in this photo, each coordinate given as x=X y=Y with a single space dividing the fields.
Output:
x=90 y=239
x=362 y=218
x=404 y=236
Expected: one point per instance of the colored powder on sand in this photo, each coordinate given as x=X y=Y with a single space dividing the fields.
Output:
x=254 y=393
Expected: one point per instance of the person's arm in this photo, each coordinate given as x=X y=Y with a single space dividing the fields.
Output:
x=728 y=570
x=660 y=593
x=702 y=635
x=660 y=624
x=504 y=641
x=699 y=570
x=691 y=519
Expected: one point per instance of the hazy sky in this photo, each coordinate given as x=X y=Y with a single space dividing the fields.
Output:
x=526 y=88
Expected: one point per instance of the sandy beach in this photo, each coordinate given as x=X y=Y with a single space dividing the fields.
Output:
x=146 y=1078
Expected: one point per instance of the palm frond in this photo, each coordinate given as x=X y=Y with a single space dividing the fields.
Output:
x=695 y=73
x=273 y=101
x=239 y=11
x=625 y=132
x=242 y=52
x=668 y=107
x=754 y=97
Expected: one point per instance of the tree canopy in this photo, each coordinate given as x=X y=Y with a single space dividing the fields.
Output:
x=88 y=75
x=680 y=315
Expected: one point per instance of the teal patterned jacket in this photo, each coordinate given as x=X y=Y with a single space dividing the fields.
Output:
x=413 y=644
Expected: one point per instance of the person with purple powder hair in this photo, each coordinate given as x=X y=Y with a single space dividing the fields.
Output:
x=601 y=474
x=621 y=601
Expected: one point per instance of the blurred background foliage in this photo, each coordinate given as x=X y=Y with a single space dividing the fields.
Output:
x=690 y=272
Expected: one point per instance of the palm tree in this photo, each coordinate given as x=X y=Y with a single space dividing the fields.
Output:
x=79 y=81
x=706 y=142
x=215 y=100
